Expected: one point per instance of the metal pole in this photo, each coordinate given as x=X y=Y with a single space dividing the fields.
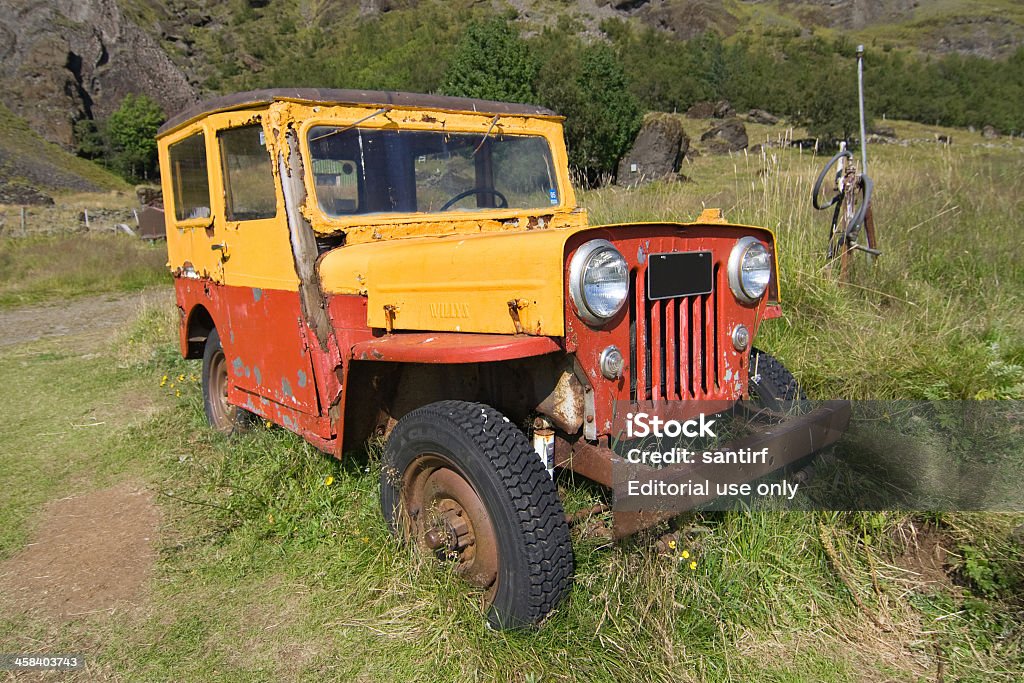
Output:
x=860 y=97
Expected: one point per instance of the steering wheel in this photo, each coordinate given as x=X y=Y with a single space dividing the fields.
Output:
x=476 y=190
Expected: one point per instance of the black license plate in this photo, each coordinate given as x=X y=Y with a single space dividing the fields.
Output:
x=673 y=275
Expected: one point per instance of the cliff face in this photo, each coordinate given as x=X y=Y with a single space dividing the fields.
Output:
x=63 y=60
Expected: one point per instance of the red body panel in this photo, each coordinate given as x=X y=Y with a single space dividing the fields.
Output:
x=452 y=347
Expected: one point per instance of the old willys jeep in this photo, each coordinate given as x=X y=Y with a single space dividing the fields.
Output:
x=354 y=264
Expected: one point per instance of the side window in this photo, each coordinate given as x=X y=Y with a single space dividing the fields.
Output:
x=191 y=181
x=248 y=175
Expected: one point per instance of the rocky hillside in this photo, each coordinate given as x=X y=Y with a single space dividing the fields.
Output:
x=66 y=60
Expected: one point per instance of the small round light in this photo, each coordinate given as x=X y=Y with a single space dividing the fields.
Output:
x=741 y=337
x=598 y=281
x=612 y=362
x=750 y=269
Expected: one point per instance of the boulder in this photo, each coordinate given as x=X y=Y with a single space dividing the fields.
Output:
x=728 y=136
x=656 y=153
x=723 y=110
x=762 y=117
x=150 y=195
x=989 y=133
x=884 y=131
x=701 y=110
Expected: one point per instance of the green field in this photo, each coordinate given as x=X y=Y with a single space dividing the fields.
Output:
x=273 y=563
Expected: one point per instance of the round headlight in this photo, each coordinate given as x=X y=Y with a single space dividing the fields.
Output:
x=750 y=269
x=598 y=281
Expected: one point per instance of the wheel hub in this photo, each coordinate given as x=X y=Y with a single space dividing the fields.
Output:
x=447 y=518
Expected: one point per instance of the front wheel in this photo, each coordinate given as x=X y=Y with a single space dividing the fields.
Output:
x=461 y=482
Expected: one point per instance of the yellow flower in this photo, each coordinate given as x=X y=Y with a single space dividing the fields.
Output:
x=672 y=544
x=267 y=424
x=693 y=565
x=177 y=392
x=328 y=481
x=181 y=378
x=270 y=518
x=163 y=380
x=686 y=554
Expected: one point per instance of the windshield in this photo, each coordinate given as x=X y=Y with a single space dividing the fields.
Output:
x=360 y=171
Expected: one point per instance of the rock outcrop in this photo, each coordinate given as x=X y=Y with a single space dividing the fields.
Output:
x=762 y=117
x=656 y=153
x=61 y=61
x=728 y=136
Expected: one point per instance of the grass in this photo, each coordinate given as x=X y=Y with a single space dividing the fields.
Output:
x=18 y=141
x=268 y=573
x=43 y=268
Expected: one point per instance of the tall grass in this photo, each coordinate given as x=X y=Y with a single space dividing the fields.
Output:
x=938 y=315
x=34 y=269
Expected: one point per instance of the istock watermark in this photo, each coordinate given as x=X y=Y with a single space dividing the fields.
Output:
x=928 y=456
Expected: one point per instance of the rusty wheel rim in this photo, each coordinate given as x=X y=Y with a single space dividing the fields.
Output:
x=445 y=516
x=222 y=412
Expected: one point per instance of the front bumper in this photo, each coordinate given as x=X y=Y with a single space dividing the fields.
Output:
x=787 y=441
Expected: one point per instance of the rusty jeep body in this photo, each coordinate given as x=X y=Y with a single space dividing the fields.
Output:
x=353 y=264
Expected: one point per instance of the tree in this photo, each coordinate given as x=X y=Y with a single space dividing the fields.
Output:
x=492 y=62
x=830 y=110
x=132 y=133
x=602 y=115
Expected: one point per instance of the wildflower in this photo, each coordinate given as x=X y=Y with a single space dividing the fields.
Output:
x=181 y=378
x=177 y=392
x=270 y=518
x=328 y=481
x=693 y=565
x=163 y=380
x=686 y=554
x=268 y=424
x=672 y=544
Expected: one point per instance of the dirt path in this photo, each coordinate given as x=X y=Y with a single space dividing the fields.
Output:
x=95 y=315
x=92 y=553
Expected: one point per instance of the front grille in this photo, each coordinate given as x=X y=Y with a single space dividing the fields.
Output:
x=673 y=344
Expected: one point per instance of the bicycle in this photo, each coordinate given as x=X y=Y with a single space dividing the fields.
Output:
x=852 y=202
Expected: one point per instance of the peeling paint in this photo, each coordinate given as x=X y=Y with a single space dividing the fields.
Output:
x=302 y=378
x=259 y=375
x=286 y=387
x=238 y=366
x=257 y=293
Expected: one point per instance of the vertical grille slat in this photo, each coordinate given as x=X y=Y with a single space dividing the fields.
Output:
x=657 y=347
x=674 y=343
x=671 y=356
x=634 y=333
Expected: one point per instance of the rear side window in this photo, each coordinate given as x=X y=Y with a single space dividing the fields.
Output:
x=248 y=177
x=191 y=181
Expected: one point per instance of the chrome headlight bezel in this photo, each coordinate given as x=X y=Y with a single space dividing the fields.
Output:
x=577 y=270
x=741 y=288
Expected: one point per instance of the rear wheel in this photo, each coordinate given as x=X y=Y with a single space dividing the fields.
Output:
x=222 y=415
x=461 y=482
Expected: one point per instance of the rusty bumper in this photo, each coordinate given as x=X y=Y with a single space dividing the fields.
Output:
x=787 y=441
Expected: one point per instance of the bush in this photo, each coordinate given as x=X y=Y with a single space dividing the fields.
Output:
x=602 y=115
x=492 y=62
